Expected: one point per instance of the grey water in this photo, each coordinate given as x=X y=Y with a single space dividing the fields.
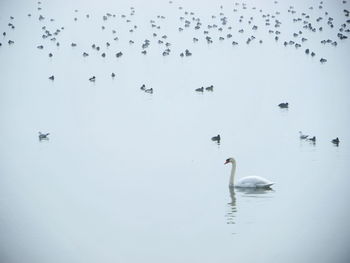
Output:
x=128 y=176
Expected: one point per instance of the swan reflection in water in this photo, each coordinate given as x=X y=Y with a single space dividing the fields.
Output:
x=231 y=213
x=254 y=192
x=232 y=209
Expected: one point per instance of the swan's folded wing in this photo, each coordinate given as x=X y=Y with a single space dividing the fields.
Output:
x=265 y=185
x=254 y=181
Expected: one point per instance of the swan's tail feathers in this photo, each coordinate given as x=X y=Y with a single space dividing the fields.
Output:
x=268 y=185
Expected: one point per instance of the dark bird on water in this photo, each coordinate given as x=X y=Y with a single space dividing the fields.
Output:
x=187 y=53
x=216 y=138
x=43 y=136
x=210 y=88
x=283 y=105
x=313 y=139
x=336 y=141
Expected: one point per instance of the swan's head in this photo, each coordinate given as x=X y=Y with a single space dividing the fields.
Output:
x=230 y=160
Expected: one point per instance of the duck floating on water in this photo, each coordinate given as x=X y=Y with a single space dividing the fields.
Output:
x=336 y=141
x=187 y=53
x=210 y=88
x=43 y=136
x=312 y=139
x=216 y=138
x=283 y=105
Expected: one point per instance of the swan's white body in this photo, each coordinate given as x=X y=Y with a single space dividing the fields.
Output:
x=252 y=181
x=249 y=181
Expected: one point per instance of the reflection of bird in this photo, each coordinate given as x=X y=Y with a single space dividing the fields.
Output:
x=248 y=181
x=216 y=138
x=254 y=192
x=303 y=136
x=43 y=136
x=230 y=215
x=335 y=141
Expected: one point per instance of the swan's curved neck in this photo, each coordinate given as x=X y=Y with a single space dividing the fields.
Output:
x=232 y=177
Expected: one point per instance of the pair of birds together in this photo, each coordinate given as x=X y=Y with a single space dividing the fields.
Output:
x=201 y=89
x=143 y=87
x=306 y=137
x=313 y=139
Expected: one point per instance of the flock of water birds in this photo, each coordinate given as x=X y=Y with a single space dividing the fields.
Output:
x=231 y=23
x=285 y=105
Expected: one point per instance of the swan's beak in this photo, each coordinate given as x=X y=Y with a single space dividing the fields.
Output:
x=226 y=162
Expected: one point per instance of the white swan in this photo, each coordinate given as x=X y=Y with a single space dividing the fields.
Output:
x=248 y=181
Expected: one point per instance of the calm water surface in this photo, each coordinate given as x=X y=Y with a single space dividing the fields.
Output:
x=133 y=177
